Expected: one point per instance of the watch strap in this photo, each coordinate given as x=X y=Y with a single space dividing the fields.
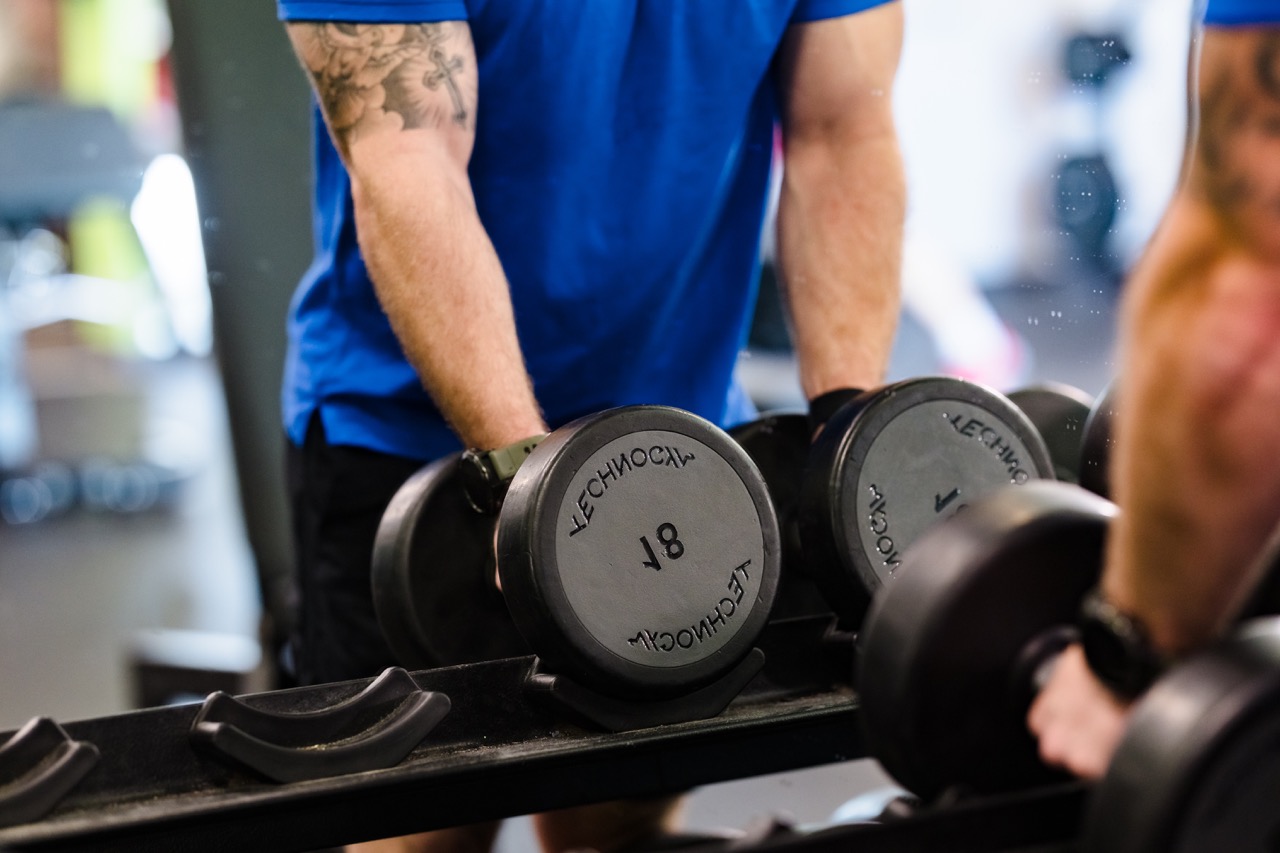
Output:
x=488 y=473
x=505 y=461
x=1117 y=647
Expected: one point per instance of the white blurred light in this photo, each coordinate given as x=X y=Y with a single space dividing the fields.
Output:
x=167 y=221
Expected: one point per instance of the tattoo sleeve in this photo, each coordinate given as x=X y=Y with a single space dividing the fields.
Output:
x=374 y=77
x=1238 y=150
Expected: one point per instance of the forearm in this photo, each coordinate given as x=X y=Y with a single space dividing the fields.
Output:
x=400 y=102
x=444 y=291
x=843 y=197
x=840 y=221
x=1195 y=471
x=1195 y=466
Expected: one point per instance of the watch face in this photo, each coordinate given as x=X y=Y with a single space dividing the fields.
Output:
x=1117 y=654
x=1103 y=649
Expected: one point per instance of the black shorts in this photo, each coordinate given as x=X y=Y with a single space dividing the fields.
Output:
x=338 y=494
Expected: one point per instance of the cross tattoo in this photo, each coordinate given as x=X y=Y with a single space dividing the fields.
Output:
x=443 y=75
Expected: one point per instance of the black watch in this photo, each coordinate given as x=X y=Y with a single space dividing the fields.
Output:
x=1117 y=647
x=486 y=474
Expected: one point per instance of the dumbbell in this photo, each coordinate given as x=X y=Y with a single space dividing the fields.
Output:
x=637 y=548
x=949 y=650
x=1095 y=447
x=953 y=650
x=887 y=465
x=1077 y=428
x=45 y=491
x=1198 y=767
x=1059 y=412
x=128 y=487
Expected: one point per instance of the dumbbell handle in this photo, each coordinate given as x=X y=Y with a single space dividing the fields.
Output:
x=823 y=406
x=1142 y=666
x=1034 y=666
x=486 y=474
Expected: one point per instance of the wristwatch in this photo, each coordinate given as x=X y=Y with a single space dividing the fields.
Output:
x=485 y=474
x=1117 y=647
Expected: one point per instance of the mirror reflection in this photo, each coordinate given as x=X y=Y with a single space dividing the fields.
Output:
x=155 y=192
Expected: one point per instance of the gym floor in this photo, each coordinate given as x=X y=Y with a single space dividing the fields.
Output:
x=78 y=594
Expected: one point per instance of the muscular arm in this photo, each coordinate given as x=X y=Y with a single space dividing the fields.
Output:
x=843 y=197
x=1195 y=466
x=400 y=102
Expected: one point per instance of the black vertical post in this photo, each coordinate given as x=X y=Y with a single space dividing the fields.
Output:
x=246 y=129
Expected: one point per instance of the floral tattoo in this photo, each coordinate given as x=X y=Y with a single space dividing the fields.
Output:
x=1240 y=134
x=372 y=75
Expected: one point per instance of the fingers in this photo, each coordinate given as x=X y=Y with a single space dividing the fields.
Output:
x=1077 y=721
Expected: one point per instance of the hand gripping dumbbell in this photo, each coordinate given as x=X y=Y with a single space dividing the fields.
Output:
x=637 y=549
x=887 y=465
x=953 y=650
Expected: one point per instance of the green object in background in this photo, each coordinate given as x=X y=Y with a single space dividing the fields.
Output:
x=104 y=246
x=109 y=53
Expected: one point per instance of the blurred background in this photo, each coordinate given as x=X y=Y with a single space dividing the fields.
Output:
x=154 y=221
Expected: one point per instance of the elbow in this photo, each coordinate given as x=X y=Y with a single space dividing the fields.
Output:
x=848 y=168
x=842 y=133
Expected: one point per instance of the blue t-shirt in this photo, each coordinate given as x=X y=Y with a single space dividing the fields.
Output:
x=1242 y=12
x=620 y=167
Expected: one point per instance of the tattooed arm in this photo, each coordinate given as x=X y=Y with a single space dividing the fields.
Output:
x=1194 y=463
x=400 y=102
x=1196 y=469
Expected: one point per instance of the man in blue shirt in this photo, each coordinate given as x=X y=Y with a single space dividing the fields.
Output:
x=530 y=210
x=1194 y=465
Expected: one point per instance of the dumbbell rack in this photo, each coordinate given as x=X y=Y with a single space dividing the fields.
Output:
x=497 y=753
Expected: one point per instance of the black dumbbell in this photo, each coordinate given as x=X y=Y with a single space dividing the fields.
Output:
x=1198 y=767
x=887 y=465
x=953 y=650
x=1059 y=412
x=778 y=442
x=638 y=553
x=949 y=650
x=1095 y=447
x=1077 y=428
